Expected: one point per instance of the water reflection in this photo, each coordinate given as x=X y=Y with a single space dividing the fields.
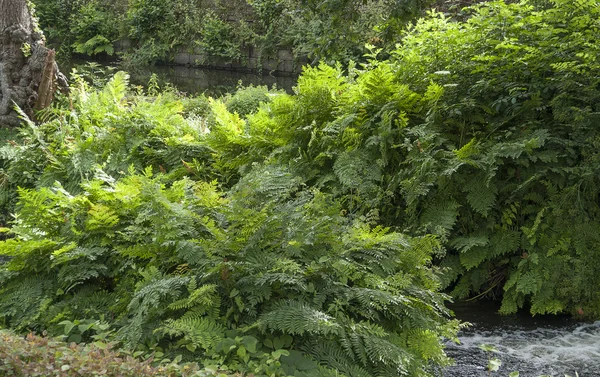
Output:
x=209 y=81
x=212 y=82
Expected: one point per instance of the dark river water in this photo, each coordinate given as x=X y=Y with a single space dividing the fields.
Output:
x=534 y=346
x=193 y=81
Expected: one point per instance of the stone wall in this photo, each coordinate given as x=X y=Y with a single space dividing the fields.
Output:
x=283 y=63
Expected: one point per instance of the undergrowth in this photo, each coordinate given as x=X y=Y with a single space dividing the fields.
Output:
x=131 y=228
x=312 y=234
x=35 y=356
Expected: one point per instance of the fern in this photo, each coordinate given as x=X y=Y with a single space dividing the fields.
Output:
x=23 y=301
x=446 y=137
x=199 y=332
x=480 y=196
x=297 y=318
x=204 y=297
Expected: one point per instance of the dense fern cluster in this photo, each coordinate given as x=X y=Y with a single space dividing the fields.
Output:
x=109 y=129
x=481 y=132
x=284 y=235
x=509 y=151
x=118 y=236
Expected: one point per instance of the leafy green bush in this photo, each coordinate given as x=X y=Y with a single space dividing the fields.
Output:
x=331 y=31
x=247 y=100
x=218 y=39
x=118 y=237
x=54 y=17
x=107 y=129
x=147 y=16
x=83 y=26
x=158 y=29
x=95 y=28
x=263 y=263
x=199 y=106
x=481 y=132
x=509 y=154
x=148 y=21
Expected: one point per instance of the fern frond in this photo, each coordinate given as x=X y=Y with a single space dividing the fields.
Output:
x=297 y=318
x=204 y=297
x=101 y=217
x=441 y=215
x=332 y=354
x=21 y=301
x=199 y=331
x=354 y=169
x=481 y=195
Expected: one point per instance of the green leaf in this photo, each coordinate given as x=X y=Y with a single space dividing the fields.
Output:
x=84 y=327
x=278 y=343
x=268 y=343
x=278 y=353
x=494 y=364
x=68 y=326
x=76 y=338
x=250 y=343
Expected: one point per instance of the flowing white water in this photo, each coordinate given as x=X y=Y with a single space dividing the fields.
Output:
x=550 y=351
x=553 y=346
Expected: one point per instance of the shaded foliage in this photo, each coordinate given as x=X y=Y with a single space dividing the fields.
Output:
x=282 y=234
x=225 y=31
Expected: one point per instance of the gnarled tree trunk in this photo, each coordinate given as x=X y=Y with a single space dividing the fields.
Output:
x=28 y=71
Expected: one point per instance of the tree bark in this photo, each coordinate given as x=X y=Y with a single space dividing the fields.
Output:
x=28 y=71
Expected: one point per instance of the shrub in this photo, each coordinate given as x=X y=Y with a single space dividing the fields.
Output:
x=106 y=129
x=269 y=278
x=37 y=356
x=94 y=27
x=84 y=26
x=218 y=39
x=481 y=132
x=312 y=29
x=266 y=265
x=247 y=100
x=508 y=153
x=159 y=28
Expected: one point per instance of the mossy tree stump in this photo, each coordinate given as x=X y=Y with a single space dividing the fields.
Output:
x=28 y=71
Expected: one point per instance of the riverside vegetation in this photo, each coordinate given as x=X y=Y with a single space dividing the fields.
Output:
x=313 y=234
x=223 y=30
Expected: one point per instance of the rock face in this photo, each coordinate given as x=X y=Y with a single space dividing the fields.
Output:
x=28 y=71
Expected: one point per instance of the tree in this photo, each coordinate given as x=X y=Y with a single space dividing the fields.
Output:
x=28 y=70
